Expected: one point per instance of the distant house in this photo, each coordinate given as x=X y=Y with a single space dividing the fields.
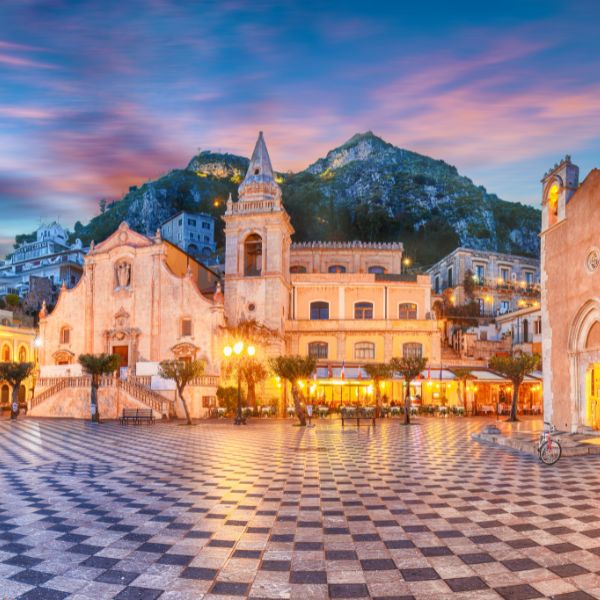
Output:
x=194 y=233
x=50 y=256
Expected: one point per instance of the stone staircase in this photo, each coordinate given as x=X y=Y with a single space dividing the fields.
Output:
x=134 y=389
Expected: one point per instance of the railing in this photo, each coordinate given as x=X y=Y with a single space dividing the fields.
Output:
x=249 y=206
x=152 y=399
x=49 y=392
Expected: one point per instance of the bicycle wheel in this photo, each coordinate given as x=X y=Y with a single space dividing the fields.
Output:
x=550 y=452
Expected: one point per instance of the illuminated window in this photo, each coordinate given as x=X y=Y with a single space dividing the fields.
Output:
x=65 y=335
x=364 y=350
x=336 y=269
x=553 y=198
x=186 y=327
x=6 y=354
x=318 y=349
x=363 y=310
x=407 y=310
x=22 y=354
x=319 y=311
x=253 y=255
x=412 y=350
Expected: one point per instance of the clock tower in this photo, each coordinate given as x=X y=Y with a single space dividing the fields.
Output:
x=257 y=248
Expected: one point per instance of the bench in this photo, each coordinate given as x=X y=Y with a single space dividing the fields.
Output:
x=358 y=415
x=137 y=415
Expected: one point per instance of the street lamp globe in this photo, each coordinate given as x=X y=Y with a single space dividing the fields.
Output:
x=227 y=351
x=238 y=347
x=251 y=350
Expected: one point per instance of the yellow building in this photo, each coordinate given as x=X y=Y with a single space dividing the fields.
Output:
x=17 y=344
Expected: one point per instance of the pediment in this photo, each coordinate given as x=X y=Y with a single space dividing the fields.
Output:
x=123 y=236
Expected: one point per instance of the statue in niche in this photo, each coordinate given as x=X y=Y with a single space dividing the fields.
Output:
x=123 y=275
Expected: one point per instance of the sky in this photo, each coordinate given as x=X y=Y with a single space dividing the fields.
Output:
x=98 y=96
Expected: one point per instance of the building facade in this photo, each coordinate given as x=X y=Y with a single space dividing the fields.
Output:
x=49 y=256
x=570 y=241
x=501 y=282
x=194 y=233
x=143 y=300
x=17 y=344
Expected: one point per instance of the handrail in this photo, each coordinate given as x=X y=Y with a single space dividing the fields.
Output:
x=47 y=393
x=149 y=397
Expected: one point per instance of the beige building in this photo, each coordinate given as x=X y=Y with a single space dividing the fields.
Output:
x=571 y=297
x=17 y=344
x=143 y=300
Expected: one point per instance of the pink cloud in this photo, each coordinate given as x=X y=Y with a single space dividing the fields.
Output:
x=17 y=61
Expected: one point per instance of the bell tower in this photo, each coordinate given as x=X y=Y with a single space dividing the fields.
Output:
x=257 y=247
x=558 y=185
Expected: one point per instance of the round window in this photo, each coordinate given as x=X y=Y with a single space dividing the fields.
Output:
x=592 y=261
x=251 y=307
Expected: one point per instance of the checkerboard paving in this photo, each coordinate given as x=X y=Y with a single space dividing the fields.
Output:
x=274 y=511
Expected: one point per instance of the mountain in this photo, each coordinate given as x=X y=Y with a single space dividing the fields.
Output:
x=367 y=189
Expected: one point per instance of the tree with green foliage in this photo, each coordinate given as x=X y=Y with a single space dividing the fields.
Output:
x=410 y=368
x=14 y=374
x=378 y=372
x=12 y=300
x=182 y=372
x=515 y=367
x=227 y=396
x=462 y=376
x=98 y=365
x=295 y=369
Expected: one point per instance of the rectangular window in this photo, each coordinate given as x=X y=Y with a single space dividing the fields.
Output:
x=205 y=225
x=450 y=277
x=319 y=311
x=505 y=274
x=529 y=278
x=480 y=273
x=192 y=222
x=363 y=310
x=186 y=327
x=412 y=350
x=364 y=350
x=504 y=307
x=437 y=284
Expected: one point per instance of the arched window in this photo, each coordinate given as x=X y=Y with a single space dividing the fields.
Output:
x=377 y=269
x=412 y=350
x=298 y=269
x=363 y=310
x=22 y=354
x=364 y=350
x=318 y=349
x=319 y=311
x=336 y=269
x=5 y=353
x=4 y=394
x=65 y=335
x=253 y=255
x=192 y=249
x=407 y=310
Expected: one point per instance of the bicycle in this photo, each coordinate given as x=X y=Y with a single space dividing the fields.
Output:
x=549 y=449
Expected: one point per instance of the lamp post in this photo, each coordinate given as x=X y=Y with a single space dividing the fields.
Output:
x=234 y=353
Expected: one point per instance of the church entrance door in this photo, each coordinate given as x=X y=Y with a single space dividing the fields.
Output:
x=593 y=396
x=123 y=353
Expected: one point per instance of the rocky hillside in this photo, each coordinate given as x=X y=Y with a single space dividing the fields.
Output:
x=366 y=189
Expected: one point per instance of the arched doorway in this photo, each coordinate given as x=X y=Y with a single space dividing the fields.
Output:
x=4 y=394
x=584 y=350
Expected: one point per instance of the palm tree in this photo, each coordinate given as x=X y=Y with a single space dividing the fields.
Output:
x=14 y=374
x=182 y=372
x=410 y=368
x=462 y=376
x=97 y=365
x=515 y=368
x=378 y=372
x=251 y=332
x=294 y=369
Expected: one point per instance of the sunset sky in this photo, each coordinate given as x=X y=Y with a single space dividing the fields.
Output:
x=98 y=96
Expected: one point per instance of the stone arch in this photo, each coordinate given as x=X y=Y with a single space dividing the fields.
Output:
x=585 y=319
x=5 y=354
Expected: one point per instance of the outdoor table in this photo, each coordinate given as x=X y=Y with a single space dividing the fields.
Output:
x=322 y=411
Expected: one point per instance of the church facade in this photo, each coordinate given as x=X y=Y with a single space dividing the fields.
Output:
x=570 y=277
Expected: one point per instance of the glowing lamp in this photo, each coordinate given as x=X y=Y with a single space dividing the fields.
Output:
x=238 y=347
x=227 y=351
x=251 y=350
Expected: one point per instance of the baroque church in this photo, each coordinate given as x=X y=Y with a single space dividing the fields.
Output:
x=345 y=303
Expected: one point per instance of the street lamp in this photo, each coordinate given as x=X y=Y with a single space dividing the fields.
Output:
x=235 y=352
